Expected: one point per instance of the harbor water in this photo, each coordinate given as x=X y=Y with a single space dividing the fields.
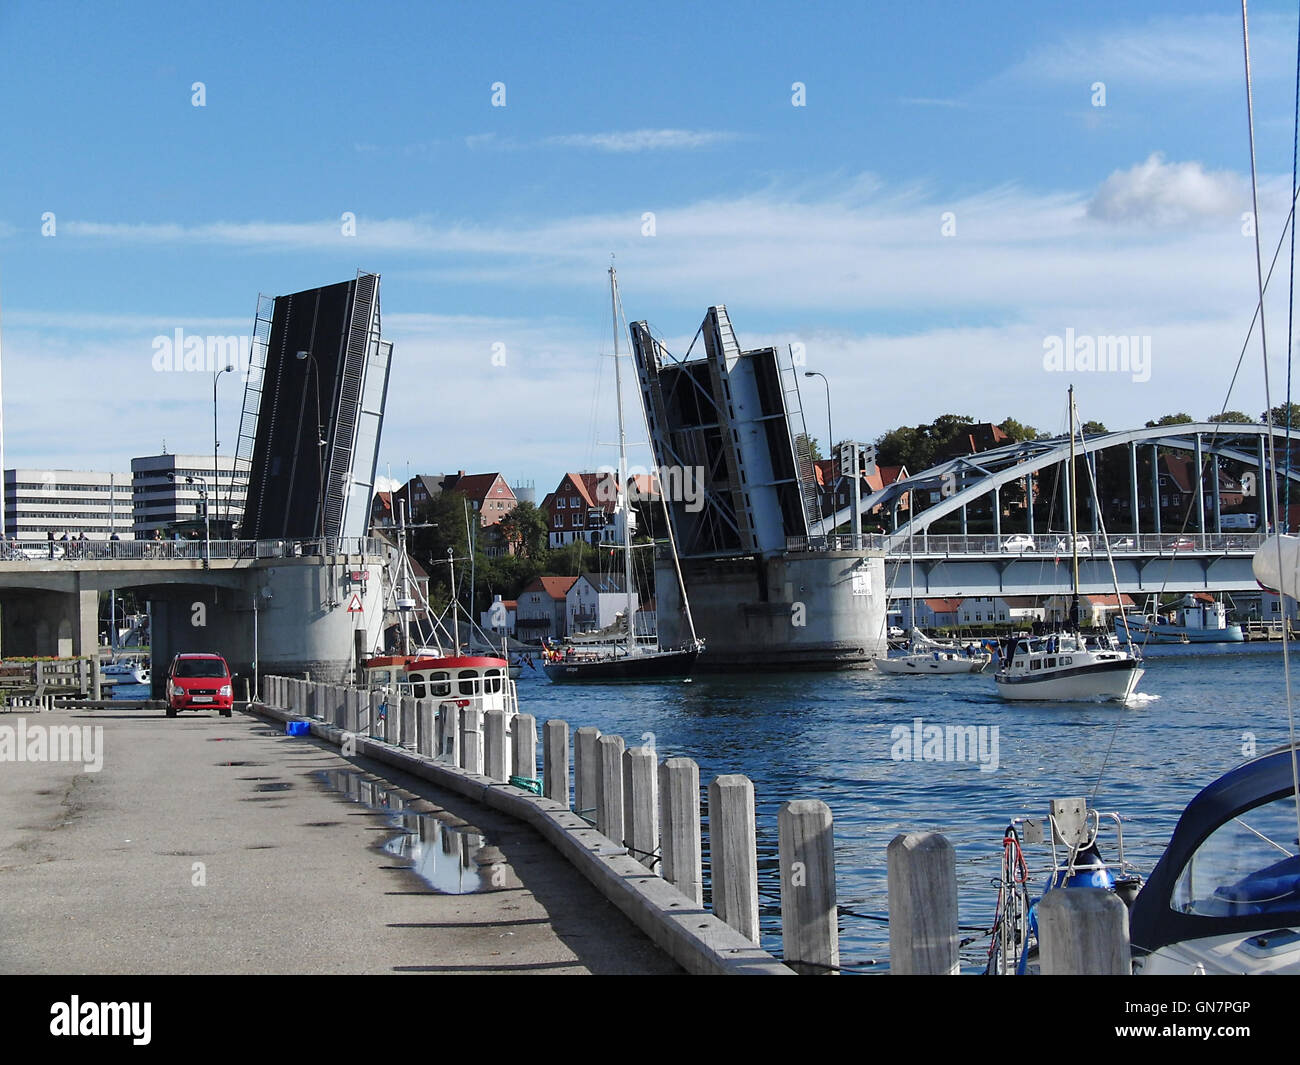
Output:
x=845 y=738
x=849 y=739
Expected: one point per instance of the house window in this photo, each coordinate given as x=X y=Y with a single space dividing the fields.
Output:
x=560 y=502
x=573 y=501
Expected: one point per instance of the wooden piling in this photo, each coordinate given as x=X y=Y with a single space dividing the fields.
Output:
x=679 y=818
x=425 y=743
x=810 y=937
x=609 y=787
x=523 y=746
x=555 y=760
x=1083 y=932
x=922 y=881
x=496 y=750
x=586 y=771
x=641 y=805
x=449 y=731
x=733 y=852
x=471 y=740
x=406 y=723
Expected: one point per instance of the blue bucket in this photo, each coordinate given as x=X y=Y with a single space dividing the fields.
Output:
x=297 y=728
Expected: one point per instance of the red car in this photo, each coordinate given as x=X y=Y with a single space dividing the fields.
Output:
x=199 y=682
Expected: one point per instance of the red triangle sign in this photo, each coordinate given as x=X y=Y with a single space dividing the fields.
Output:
x=355 y=607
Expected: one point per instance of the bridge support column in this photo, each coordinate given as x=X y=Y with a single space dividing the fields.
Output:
x=1029 y=500
x=1133 y=488
x=37 y=624
x=1200 y=484
x=997 y=513
x=1214 y=493
x=1155 y=487
x=1261 y=484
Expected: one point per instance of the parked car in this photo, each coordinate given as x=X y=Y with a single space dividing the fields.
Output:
x=199 y=682
x=1019 y=542
x=1080 y=544
x=1123 y=543
x=1181 y=543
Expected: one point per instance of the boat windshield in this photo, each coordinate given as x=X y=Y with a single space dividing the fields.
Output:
x=1248 y=865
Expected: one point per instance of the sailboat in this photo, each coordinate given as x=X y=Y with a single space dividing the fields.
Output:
x=615 y=654
x=927 y=657
x=1067 y=665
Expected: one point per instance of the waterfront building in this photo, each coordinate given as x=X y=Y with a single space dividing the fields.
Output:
x=541 y=611
x=76 y=502
x=157 y=501
x=594 y=600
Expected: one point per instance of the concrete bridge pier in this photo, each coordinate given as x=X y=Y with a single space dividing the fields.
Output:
x=47 y=624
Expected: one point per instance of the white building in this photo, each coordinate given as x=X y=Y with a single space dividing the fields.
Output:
x=594 y=601
x=1022 y=610
x=76 y=502
x=158 y=501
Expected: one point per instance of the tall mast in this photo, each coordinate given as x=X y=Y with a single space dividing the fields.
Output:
x=622 y=468
x=1074 y=540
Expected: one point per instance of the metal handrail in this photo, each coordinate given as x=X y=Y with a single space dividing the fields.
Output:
x=36 y=551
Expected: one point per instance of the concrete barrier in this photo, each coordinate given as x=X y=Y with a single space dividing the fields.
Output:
x=694 y=938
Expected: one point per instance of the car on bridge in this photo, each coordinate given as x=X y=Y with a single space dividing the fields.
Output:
x=1080 y=544
x=1124 y=543
x=199 y=682
x=1020 y=542
x=1181 y=543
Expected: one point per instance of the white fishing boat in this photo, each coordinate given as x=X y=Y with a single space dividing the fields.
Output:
x=1067 y=665
x=1191 y=620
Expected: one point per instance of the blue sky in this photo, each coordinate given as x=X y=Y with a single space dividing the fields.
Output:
x=818 y=224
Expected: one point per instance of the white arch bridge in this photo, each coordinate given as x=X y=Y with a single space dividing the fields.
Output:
x=998 y=522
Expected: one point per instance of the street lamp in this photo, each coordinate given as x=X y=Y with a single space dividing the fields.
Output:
x=310 y=359
x=216 y=473
x=830 y=435
x=207 y=527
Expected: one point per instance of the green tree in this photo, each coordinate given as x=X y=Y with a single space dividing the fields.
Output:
x=1171 y=419
x=1018 y=430
x=1234 y=417
x=1094 y=429
x=526 y=528
x=1279 y=415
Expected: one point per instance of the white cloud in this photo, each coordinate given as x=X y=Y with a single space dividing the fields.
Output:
x=643 y=140
x=1159 y=193
x=1171 y=52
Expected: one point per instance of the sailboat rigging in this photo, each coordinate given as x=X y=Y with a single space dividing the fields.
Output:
x=618 y=655
x=1067 y=665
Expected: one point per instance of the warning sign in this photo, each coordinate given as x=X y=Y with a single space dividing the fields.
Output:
x=354 y=607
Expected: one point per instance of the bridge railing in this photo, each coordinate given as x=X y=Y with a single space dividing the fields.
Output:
x=844 y=542
x=183 y=550
x=1057 y=545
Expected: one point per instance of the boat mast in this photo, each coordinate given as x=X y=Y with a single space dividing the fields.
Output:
x=455 y=607
x=622 y=468
x=1074 y=540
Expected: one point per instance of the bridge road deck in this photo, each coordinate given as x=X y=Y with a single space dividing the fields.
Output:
x=97 y=868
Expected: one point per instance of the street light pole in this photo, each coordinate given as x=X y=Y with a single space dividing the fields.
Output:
x=216 y=474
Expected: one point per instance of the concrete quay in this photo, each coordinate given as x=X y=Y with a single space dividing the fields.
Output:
x=211 y=845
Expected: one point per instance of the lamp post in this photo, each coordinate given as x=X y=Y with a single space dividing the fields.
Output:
x=314 y=370
x=207 y=526
x=830 y=435
x=216 y=472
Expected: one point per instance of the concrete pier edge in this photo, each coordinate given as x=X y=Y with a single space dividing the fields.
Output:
x=690 y=935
